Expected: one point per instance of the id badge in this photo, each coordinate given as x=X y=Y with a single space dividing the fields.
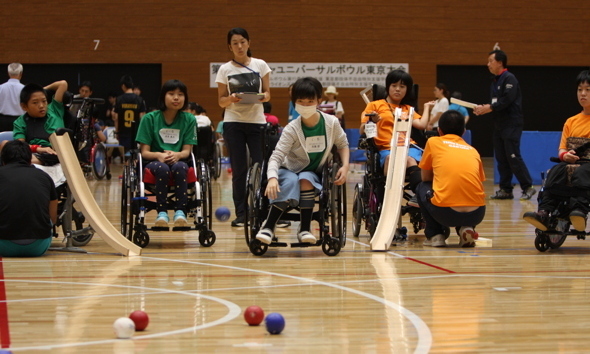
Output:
x=170 y=136
x=315 y=144
x=494 y=100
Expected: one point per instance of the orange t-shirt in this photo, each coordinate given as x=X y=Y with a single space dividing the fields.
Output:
x=458 y=171
x=385 y=125
x=577 y=126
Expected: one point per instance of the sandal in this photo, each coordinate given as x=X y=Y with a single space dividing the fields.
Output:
x=306 y=237
x=265 y=236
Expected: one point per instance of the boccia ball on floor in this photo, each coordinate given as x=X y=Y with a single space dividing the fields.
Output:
x=222 y=213
x=275 y=323
x=253 y=315
x=124 y=327
x=140 y=318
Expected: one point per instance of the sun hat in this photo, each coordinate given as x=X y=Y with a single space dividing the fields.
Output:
x=332 y=90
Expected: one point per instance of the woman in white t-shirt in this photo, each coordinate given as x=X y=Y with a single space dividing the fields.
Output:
x=242 y=122
x=332 y=106
x=439 y=106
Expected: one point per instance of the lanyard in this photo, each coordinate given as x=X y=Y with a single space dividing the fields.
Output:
x=255 y=72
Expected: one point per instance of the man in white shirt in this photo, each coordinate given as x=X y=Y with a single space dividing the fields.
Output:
x=10 y=97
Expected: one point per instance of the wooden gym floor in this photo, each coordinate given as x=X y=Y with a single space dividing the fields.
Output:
x=413 y=299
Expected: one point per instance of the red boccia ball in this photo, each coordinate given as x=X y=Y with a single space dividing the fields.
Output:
x=140 y=319
x=253 y=315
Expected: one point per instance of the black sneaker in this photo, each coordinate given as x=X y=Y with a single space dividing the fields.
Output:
x=528 y=193
x=238 y=222
x=578 y=219
x=283 y=223
x=503 y=194
x=537 y=218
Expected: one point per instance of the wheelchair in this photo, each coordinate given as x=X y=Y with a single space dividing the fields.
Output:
x=91 y=152
x=138 y=198
x=559 y=224
x=331 y=215
x=209 y=150
x=369 y=195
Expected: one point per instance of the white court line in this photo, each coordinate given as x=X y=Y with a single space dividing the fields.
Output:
x=234 y=311
x=424 y=335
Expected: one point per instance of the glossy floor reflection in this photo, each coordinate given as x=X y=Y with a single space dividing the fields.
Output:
x=412 y=299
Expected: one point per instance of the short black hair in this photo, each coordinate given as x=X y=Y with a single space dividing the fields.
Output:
x=172 y=85
x=499 y=55
x=457 y=95
x=87 y=84
x=127 y=81
x=583 y=77
x=16 y=151
x=406 y=79
x=29 y=90
x=306 y=88
x=452 y=122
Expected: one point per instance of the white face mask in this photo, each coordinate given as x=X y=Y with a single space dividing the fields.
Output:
x=305 y=111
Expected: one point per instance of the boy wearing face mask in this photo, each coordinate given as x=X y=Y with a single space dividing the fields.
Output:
x=295 y=166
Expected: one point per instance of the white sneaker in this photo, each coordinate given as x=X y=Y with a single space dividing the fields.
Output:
x=438 y=241
x=306 y=237
x=265 y=236
x=467 y=236
x=427 y=242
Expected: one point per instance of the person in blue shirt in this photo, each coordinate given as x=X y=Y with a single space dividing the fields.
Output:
x=460 y=109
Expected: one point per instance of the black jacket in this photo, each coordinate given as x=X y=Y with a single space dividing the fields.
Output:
x=507 y=108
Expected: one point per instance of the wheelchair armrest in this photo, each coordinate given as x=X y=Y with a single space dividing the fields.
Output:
x=62 y=131
x=554 y=159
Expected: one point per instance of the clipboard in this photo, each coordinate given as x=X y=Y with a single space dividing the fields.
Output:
x=249 y=97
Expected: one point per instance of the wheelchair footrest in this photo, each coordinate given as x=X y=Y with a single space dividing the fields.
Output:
x=304 y=244
x=160 y=228
x=278 y=244
x=181 y=228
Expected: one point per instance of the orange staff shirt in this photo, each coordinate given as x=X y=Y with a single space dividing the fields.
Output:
x=385 y=125
x=577 y=126
x=458 y=171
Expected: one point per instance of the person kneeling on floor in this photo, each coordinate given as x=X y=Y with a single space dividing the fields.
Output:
x=28 y=204
x=451 y=192
x=295 y=165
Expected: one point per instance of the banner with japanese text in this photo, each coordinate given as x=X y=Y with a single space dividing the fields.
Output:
x=341 y=75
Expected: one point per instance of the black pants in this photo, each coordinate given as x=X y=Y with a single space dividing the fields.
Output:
x=556 y=188
x=507 y=154
x=437 y=218
x=6 y=123
x=241 y=138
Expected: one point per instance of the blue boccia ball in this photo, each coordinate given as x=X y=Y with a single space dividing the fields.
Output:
x=222 y=213
x=275 y=323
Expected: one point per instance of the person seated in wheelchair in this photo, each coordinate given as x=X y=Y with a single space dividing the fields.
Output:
x=451 y=192
x=398 y=84
x=166 y=137
x=40 y=120
x=294 y=166
x=28 y=204
x=574 y=149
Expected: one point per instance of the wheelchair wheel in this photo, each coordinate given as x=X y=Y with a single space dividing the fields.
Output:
x=253 y=203
x=207 y=238
x=141 y=238
x=557 y=239
x=99 y=161
x=78 y=219
x=216 y=170
x=357 y=210
x=541 y=241
x=338 y=208
x=204 y=178
x=331 y=246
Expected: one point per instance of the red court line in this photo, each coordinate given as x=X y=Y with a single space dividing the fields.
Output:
x=4 y=332
x=430 y=265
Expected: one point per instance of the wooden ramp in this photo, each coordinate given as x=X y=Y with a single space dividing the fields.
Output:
x=84 y=198
x=394 y=187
